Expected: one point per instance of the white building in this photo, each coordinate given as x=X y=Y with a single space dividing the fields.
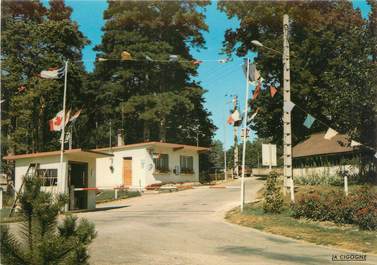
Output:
x=139 y=165
x=77 y=172
x=133 y=166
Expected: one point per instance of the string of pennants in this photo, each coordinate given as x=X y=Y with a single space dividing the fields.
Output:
x=126 y=56
x=255 y=78
x=330 y=133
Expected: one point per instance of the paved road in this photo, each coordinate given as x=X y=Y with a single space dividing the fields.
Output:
x=187 y=227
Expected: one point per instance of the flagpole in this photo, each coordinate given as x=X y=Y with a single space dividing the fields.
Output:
x=63 y=175
x=244 y=136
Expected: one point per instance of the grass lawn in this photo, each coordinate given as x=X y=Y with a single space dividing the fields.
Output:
x=322 y=233
x=109 y=195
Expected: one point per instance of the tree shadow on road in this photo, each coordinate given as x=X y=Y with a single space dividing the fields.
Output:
x=277 y=256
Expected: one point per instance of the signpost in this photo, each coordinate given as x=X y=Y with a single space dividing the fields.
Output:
x=269 y=155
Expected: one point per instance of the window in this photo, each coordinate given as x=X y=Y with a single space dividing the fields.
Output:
x=161 y=162
x=49 y=176
x=187 y=164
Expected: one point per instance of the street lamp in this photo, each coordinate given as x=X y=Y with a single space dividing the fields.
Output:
x=287 y=136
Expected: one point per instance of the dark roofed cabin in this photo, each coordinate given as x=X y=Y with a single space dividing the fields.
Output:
x=317 y=156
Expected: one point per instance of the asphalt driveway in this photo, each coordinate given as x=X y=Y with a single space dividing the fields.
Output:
x=187 y=227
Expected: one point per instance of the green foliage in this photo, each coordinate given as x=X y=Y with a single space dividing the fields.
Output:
x=42 y=240
x=334 y=180
x=216 y=154
x=273 y=199
x=150 y=100
x=333 y=64
x=359 y=207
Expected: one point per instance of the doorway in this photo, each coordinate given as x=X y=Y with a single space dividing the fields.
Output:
x=78 y=178
x=127 y=171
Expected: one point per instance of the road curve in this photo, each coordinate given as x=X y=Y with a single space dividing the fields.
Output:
x=188 y=227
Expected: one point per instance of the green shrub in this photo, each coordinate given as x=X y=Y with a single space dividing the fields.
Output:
x=273 y=200
x=333 y=180
x=359 y=207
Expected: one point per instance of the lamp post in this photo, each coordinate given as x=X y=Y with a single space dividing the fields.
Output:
x=287 y=128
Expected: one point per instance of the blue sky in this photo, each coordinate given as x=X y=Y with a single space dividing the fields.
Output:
x=218 y=79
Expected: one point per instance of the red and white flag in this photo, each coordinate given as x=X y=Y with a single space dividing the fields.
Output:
x=56 y=123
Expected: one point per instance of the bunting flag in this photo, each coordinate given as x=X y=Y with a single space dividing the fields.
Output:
x=223 y=60
x=330 y=134
x=197 y=62
x=52 y=73
x=148 y=58
x=173 y=58
x=309 y=121
x=288 y=106
x=253 y=116
x=256 y=91
x=253 y=74
x=21 y=88
x=273 y=91
x=75 y=116
x=234 y=117
x=125 y=56
x=354 y=143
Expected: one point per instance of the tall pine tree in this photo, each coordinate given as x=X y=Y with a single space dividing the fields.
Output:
x=150 y=97
x=35 y=38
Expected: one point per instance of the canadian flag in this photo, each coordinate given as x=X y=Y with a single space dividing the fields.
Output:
x=56 y=123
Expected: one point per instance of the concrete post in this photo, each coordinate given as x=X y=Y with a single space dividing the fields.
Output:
x=287 y=138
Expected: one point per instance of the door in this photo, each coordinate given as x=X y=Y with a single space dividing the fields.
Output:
x=78 y=178
x=127 y=171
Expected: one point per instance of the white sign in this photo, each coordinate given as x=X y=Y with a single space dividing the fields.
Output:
x=269 y=154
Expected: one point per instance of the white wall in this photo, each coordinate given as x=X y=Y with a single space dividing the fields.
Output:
x=53 y=162
x=143 y=168
x=174 y=160
x=322 y=171
x=107 y=179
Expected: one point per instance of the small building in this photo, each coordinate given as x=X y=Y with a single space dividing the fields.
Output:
x=78 y=172
x=137 y=166
x=317 y=156
x=133 y=166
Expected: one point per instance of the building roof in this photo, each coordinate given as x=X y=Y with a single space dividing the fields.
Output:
x=101 y=152
x=157 y=144
x=316 y=144
x=72 y=152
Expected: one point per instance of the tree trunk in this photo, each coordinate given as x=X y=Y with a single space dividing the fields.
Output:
x=163 y=130
x=147 y=132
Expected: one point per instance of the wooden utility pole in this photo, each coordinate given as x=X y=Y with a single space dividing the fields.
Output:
x=287 y=138
x=235 y=135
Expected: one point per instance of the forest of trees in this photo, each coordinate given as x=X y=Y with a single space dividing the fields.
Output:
x=150 y=100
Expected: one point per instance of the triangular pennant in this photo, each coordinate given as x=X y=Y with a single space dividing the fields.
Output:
x=330 y=134
x=196 y=62
x=126 y=56
x=148 y=58
x=288 y=106
x=354 y=143
x=173 y=58
x=256 y=91
x=273 y=91
x=309 y=121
